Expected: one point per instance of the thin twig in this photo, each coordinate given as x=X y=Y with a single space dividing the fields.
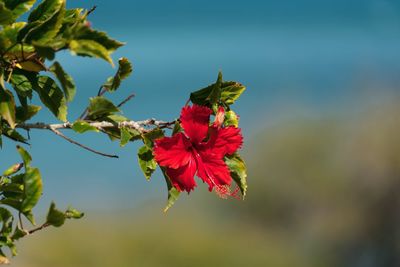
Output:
x=57 y=132
x=126 y=100
x=39 y=228
x=91 y=10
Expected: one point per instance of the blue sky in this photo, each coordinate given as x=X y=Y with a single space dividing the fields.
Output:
x=316 y=54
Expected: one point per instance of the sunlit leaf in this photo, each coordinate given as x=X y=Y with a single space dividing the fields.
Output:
x=238 y=171
x=91 y=49
x=82 y=127
x=173 y=193
x=51 y=96
x=54 y=216
x=146 y=160
x=32 y=189
x=124 y=70
x=100 y=106
x=66 y=81
x=26 y=157
x=7 y=107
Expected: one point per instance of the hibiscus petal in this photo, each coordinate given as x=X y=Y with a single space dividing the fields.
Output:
x=183 y=177
x=213 y=171
x=224 y=141
x=173 y=152
x=195 y=121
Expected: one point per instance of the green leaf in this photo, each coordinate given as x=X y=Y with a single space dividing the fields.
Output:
x=148 y=138
x=67 y=83
x=7 y=107
x=219 y=92
x=21 y=83
x=18 y=7
x=13 y=134
x=51 y=96
x=19 y=233
x=125 y=136
x=26 y=158
x=72 y=213
x=146 y=161
x=6 y=15
x=100 y=106
x=83 y=32
x=231 y=91
x=13 y=169
x=26 y=113
x=231 y=119
x=177 y=128
x=8 y=36
x=82 y=127
x=123 y=72
x=91 y=49
x=173 y=193
x=32 y=189
x=238 y=171
x=44 y=22
x=54 y=216
x=30 y=217
x=45 y=10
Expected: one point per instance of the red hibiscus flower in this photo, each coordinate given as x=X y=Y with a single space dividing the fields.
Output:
x=199 y=150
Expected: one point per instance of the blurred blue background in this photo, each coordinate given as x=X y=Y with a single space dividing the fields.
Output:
x=314 y=71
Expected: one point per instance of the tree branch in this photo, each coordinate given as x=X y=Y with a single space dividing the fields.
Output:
x=38 y=228
x=137 y=125
x=57 y=132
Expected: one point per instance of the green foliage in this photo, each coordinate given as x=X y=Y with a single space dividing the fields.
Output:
x=66 y=81
x=100 y=107
x=82 y=126
x=222 y=93
x=238 y=171
x=29 y=70
x=123 y=72
x=146 y=161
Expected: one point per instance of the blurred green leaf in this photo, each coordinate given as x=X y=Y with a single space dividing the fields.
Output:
x=146 y=161
x=6 y=15
x=26 y=158
x=19 y=7
x=54 y=216
x=26 y=113
x=72 y=213
x=238 y=171
x=82 y=127
x=148 y=138
x=177 y=128
x=44 y=22
x=19 y=233
x=13 y=169
x=21 y=84
x=125 y=136
x=231 y=119
x=45 y=10
x=66 y=81
x=7 y=107
x=124 y=70
x=8 y=36
x=32 y=189
x=173 y=193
